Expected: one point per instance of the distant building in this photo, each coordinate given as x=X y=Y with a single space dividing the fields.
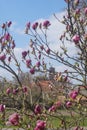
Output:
x=51 y=73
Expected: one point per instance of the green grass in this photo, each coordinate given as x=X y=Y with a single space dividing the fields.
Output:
x=70 y=122
x=53 y=122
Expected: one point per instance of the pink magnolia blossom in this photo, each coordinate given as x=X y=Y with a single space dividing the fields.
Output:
x=73 y=94
x=28 y=62
x=77 y=11
x=40 y=125
x=48 y=51
x=3 y=25
x=38 y=64
x=9 y=23
x=46 y=24
x=7 y=37
x=41 y=47
x=15 y=91
x=2 y=57
x=28 y=25
x=32 y=70
x=2 y=108
x=24 y=54
x=25 y=89
x=68 y=104
x=53 y=108
x=8 y=90
x=37 y=109
x=76 y=39
x=35 y=25
x=14 y=119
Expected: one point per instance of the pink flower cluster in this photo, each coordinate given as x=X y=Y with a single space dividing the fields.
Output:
x=7 y=37
x=73 y=94
x=55 y=106
x=46 y=24
x=40 y=125
x=13 y=119
x=2 y=108
x=68 y=104
x=25 y=89
x=2 y=57
x=76 y=38
x=7 y=24
x=35 y=25
x=24 y=54
x=28 y=62
x=14 y=91
x=32 y=70
x=38 y=109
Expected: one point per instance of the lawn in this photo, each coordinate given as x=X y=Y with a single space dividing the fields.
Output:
x=70 y=122
x=55 y=122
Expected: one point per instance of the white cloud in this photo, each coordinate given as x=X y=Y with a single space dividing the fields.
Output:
x=56 y=28
x=55 y=31
x=18 y=52
x=15 y=29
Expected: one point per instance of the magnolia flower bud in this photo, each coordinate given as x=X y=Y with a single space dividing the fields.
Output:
x=28 y=25
x=38 y=64
x=24 y=54
x=35 y=25
x=2 y=107
x=76 y=39
x=2 y=57
x=14 y=119
x=46 y=24
x=28 y=62
x=32 y=70
x=9 y=23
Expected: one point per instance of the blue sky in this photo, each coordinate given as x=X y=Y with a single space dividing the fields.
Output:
x=22 y=11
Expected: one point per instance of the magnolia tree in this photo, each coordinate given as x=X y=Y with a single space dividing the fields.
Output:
x=36 y=116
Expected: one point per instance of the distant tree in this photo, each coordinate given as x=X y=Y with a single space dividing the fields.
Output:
x=25 y=78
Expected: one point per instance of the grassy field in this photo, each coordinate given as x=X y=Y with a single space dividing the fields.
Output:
x=55 y=122
x=70 y=122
